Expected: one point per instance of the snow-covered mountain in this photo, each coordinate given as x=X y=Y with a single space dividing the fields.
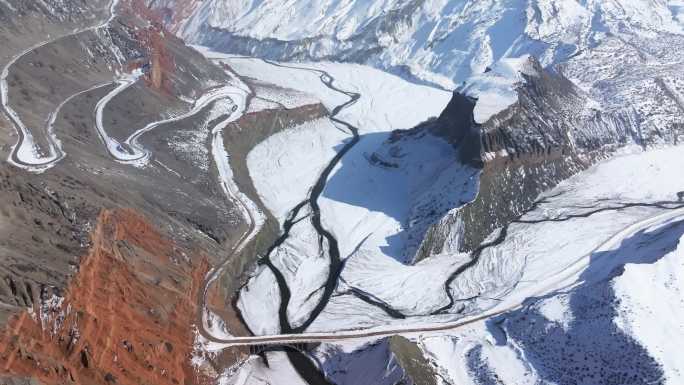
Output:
x=447 y=42
x=299 y=177
x=453 y=39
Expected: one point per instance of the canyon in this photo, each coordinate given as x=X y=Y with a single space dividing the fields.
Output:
x=345 y=192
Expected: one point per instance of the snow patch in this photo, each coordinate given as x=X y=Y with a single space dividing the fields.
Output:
x=495 y=89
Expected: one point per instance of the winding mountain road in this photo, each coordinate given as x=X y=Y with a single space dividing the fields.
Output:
x=26 y=153
x=250 y=212
x=131 y=150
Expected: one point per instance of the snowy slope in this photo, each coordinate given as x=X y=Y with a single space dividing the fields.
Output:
x=592 y=285
x=369 y=198
x=663 y=295
x=256 y=372
x=621 y=52
x=496 y=88
x=451 y=38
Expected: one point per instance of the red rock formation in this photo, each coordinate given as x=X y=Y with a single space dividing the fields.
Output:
x=126 y=317
x=160 y=59
x=154 y=38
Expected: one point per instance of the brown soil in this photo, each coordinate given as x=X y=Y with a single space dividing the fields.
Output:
x=126 y=316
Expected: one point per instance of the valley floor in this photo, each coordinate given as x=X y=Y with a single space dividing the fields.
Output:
x=565 y=264
x=567 y=290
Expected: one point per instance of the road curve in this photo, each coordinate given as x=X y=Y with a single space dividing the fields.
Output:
x=239 y=94
x=123 y=154
x=336 y=263
x=25 y=153
x=130 y=151
x=559 y=282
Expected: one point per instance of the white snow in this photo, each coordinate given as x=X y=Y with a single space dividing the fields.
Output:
x=306 y=82
x=370 y=206
x=259 y=104
x=255 y=372
x=411 y=289
x=259 y=302
x=285 y=165
x=617 y=51
x=387 y=101
x=652 y=308
x=442 y=41
x=305 y=268
x=534 y=260
x=515 y=270
x=26 y=151
x=387 y=208
x=633 y=175
x=558 y=262
x=450 y=354
x=495 y=89
x=556 y=309
x=283 y=97
x=537 y=257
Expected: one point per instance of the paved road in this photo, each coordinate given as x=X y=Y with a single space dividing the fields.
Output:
x=312 y=201
x=26 y=153
x=300 y=336
x=559 y=283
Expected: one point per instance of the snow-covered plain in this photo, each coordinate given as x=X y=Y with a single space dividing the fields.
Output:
x=372 y=209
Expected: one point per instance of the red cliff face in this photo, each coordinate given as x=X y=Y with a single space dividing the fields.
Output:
x=154 y=39
x=160 y=58
x=126 y=317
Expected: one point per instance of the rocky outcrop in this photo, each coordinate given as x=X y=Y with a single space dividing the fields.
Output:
x=125 y=318
x=457 y=126
x=412 y=359
x=549 y=134
x=172 y=13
